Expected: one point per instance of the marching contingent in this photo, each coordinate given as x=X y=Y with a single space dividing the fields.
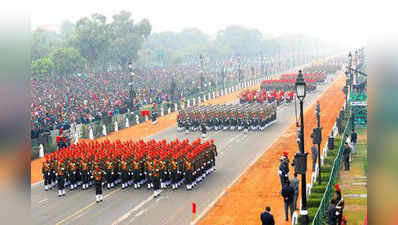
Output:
x=264 y=96
x=240 y=117
x=157 y=164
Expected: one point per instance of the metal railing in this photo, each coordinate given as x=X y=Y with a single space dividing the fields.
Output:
x=321 y=212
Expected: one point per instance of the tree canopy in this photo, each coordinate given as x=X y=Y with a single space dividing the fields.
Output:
x=96 y=44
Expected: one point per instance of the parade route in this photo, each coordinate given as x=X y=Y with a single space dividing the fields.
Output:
x=260 y=186
x=237 y=151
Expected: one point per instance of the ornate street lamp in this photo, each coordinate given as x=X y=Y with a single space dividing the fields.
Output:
x=301 y=87
x=301 y=157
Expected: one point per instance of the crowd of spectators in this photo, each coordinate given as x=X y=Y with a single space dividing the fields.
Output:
x=57 y=102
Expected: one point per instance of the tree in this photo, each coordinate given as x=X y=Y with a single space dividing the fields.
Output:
x=67 y=61
x=240 y=40
x=43 y=42
x=127 y=38
x=91 y=38
x=42 y=67
x=67 y=27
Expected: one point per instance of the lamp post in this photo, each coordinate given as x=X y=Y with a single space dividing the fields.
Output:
x=318 y=122
x=349 y=69
x=132 y=93
x=301 y=157
x=223 y=77
x=356 y=66
x=239 y=72
x=201 y=73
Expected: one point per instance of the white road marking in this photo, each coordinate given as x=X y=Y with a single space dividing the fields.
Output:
x=43 y=200
x=37 y=183
x=126 y=215
x=141 y=212
x=233 y=182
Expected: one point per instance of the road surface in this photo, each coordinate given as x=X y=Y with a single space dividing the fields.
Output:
x=237 y=151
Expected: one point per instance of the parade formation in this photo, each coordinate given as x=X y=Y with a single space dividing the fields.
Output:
x=264 y=96
x=157 y=164
x=240 y=117
x=286 y=82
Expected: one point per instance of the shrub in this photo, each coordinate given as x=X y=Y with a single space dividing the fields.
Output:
x=329 y=160
x=326 y=169
x=312 y=212
x=318 y=189
x=314 y=202
x=316 y=194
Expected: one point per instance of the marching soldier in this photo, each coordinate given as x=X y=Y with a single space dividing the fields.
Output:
x=46 y=170
x=173 y=170
x=163 y=173
x=187 y=125
x=61 y=178
x=72 y=175
x=84 y=174
x=53 y=172
x=203 y=127
x=156 y=178
x=109 y=174
x=213 y=153
x=136 y=173
x=246 y=125
x=149 y=172
x=188 y=173
x=98 y=176
x=124 y=173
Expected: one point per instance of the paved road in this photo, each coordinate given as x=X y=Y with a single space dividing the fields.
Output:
x=236 y=152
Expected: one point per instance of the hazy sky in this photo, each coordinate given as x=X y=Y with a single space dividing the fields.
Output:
x=347 y=22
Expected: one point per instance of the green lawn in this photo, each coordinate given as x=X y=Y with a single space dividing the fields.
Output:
x=355 y=182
